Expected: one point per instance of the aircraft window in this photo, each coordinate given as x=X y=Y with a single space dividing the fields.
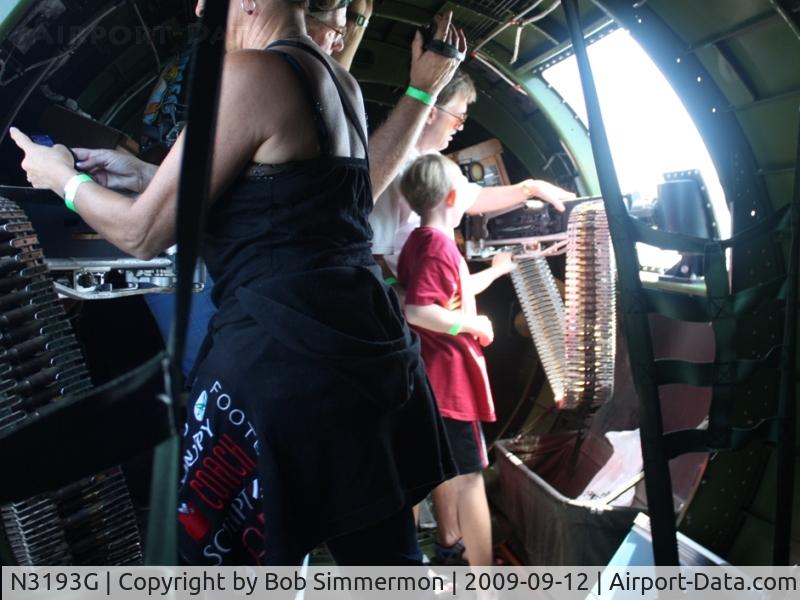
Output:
x=649 y=130
x=5 y=10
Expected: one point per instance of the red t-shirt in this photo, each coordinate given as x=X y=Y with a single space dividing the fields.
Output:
x=432 y=271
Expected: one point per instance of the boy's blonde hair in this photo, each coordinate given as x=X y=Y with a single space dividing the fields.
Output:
x=427 y=182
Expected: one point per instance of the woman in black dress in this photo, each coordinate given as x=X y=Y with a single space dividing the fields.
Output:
x=310 y=417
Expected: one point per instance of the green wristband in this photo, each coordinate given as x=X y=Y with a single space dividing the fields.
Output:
x=70 y=204
x=71 y=189
x=455 y=329
x=391 y=281
x=421 y=95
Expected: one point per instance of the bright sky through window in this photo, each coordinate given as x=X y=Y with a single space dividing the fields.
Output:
x=649 y=130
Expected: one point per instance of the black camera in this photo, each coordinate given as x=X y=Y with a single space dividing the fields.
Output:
x=428 y=32
x=438 y=46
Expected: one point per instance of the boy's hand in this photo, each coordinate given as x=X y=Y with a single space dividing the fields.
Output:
x=454 y=304
x=481 y=328
x=504 y=262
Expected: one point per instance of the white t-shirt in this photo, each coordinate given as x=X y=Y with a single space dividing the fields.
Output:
x=392 y=219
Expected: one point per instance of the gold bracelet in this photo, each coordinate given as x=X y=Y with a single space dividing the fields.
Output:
x=529 y=193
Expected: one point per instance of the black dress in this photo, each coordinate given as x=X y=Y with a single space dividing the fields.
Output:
x=311 y=415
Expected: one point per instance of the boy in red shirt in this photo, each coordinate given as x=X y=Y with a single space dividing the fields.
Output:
x=440 y=305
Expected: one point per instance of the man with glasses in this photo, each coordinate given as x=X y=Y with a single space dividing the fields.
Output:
x=339 y=32
x=328 y=29
x=393 y=221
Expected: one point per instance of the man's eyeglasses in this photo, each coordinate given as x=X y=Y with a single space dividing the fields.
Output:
x=339 y=33
x=462 y=118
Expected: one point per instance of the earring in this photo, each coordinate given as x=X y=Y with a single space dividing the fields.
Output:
x=252 y=9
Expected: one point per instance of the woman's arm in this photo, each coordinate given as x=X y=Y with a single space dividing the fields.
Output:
x=145 y=227
x=358 y=15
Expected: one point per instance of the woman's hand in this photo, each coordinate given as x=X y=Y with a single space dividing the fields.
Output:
x=115 y=169
x=46 y=167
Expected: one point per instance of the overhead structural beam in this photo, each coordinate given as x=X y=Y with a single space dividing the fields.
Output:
x=512 y=21
x=401 y=11
x=736 y=69
x=792 y=17
x=765 y=100
x=737 y=29
x=603 y=24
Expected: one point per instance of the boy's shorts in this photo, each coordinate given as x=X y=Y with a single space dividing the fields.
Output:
x=467 y=444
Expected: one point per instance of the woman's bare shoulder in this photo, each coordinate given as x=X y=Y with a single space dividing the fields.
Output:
x=254 y=66
x=253 y=78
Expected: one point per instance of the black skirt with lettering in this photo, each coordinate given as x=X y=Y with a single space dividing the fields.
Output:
x=309 y=418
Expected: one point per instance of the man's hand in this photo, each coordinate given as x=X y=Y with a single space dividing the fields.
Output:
x=481 y=328
x=115 y=169
x=552 y=194
x=431 y=71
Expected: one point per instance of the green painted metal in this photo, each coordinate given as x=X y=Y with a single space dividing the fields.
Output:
x=570 y=129
x=721 y=513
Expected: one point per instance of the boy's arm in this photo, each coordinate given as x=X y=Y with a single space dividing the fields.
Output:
x=437 y=318
x=501 y=265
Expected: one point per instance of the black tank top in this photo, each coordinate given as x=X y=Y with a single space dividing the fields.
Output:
x=294 y=217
